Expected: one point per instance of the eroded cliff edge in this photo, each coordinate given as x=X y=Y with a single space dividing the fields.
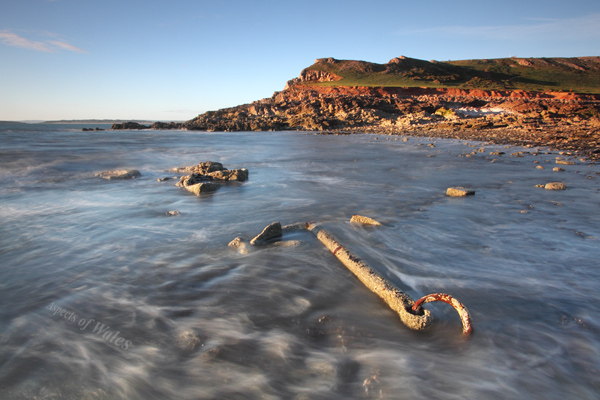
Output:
x=559 y=119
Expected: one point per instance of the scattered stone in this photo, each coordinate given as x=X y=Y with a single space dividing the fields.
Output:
x=497 y=153
x=539 y=167
x=173 y=213
x=541 y=185
x=565 y=162
x=359 y=219
x=555 y=186
x=239 y=243
x=120 y=174
x=166 y=178
x=558 y=169
x=203 y=177
x=459 y=192
x=272 y=231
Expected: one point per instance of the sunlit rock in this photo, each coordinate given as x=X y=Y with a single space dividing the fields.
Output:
x=359 y=219
x=459 y=192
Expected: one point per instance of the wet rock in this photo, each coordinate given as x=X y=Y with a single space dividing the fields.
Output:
x=203 y=168
x=558 y=169
x=564 y=162
x=359 y=219
x=164 y=179
x=555 y=186
x=187 y=340
x=294 y=227
x=239 y=244
x=539 y=167
x=459 y=192
x=272 y=231
x=288 y=243
x=120 y=174
x=203 y=177
x=173 y=213
x=199 y=188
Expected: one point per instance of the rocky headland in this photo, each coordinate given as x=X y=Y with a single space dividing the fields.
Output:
x=485 y=105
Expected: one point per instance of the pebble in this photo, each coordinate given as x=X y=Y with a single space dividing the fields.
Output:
x=459 y=192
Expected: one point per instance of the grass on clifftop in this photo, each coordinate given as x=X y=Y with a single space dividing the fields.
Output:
x=581 y=74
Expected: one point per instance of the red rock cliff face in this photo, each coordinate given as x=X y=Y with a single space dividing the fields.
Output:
x=418 y=91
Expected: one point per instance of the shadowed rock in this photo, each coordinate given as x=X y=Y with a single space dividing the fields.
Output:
x=272 y=231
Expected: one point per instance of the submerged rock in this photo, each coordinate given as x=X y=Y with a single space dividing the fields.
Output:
x=239 y=244
x=120 y=174
x=359 y=219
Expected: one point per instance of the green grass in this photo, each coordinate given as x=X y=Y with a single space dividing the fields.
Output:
x=581 y=75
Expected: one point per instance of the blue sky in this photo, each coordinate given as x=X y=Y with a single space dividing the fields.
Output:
x=172 y=60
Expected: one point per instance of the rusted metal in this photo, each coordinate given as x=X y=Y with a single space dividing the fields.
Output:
x=388 y=292
x=446 y=298
x=410 y=312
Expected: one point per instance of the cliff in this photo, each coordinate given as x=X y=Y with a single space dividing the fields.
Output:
x=445 y=105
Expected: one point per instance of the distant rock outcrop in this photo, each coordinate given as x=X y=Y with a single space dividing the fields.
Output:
x=129 y=125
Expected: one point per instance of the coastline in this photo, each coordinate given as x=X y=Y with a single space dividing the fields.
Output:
x=565 y=123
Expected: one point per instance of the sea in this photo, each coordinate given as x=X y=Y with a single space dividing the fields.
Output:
x=127 y=289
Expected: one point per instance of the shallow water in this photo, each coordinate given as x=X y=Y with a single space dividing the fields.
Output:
x=158 y=307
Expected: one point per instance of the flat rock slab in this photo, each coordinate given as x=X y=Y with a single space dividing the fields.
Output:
x=272 y=231
x=459 y=192
x=120 y=174
x=359 y=219
x=205 y=187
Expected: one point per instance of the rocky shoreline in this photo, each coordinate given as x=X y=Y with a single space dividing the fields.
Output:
x=561 y=120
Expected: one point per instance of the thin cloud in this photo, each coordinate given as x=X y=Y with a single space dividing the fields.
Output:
x=573 y=28
x=9 y=38
x=67 y=46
